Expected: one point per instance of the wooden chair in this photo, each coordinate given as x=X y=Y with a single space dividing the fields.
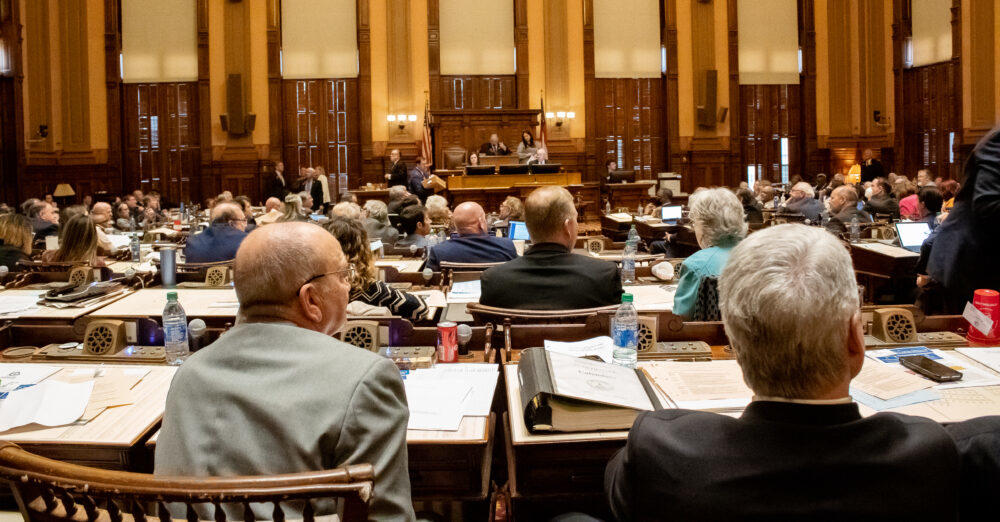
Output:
x=458 y=272
x=49 y=490
x=482 y=314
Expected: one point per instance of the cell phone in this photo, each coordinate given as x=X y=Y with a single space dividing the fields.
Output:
x=930 y=368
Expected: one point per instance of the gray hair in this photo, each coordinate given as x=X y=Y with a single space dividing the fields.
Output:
x=719 y=214
x=397 y=192
x=377 y=210
x=347 y=209
x=805 y=187
x=787 y=296
x=436 y=204
x=272 y=273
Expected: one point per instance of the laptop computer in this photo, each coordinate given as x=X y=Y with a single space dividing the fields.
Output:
x=671 y=214
x=518 y=231
x=912 y=234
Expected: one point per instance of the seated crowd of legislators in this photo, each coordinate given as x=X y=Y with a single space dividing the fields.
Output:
x=787 y=293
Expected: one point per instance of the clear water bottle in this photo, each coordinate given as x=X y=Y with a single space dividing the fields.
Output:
x=607 y=207
x=638 y=210
x=175 y=330
x=625 y=334
x=855 y=229
x=628 y=257
x=777 y=202
x=134 y=242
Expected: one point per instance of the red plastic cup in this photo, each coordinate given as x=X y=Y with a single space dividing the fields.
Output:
x=988 y=302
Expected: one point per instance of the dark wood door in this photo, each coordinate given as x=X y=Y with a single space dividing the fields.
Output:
x=162 y=147
x=630 y=114
x=931 y=124
x=321 y=129
x=8 y=142
x=770 y=132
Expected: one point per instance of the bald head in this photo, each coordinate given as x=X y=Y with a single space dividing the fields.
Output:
x=469 y=218
x=272 y=267
x=843 y=197
x=101 y=213
x=272 y=204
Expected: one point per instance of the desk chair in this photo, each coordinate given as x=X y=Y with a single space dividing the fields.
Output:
x=452 y=272
x=49 y=490
x=393 y=250
x=482 y=314
x=706 y=305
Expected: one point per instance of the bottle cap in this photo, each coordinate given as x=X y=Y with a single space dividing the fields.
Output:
x=171 y=296
x=626 y=298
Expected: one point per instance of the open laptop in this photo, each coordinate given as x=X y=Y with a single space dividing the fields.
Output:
x=670 y=214
x=518 y=231
x=912 y=234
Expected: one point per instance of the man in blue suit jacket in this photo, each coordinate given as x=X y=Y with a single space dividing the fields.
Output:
x=472 y=244
x=221 y=239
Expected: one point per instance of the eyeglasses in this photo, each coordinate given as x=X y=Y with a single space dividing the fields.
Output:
x=349 y=274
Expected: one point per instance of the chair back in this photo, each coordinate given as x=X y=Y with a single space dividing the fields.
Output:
x=482 y=314
x=706 y=305
x=49 y=490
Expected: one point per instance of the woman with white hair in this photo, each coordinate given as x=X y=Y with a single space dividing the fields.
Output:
x=717 y=218
x=438 y=212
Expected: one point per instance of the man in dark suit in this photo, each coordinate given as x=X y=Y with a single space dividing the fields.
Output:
x=278 y=186
x=549 y=276
x=843 y=210
x=44 y=220
x=471 y=244
x=419 y=177
x=309 y=184
x=494 y=147
x=881 y=200
x=966 y=250
x=397 y=174
x=871 y=168
x=221 y=240
x=801 y=450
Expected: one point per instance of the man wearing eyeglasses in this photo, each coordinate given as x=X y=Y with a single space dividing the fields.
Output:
x=221 y=239
x=277 y=393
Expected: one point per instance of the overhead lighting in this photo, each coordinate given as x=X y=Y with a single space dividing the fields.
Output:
x=401 y=117
x=391 y=118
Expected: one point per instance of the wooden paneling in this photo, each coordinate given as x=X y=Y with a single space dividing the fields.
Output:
x=930 y=105
x=73 y=77
x=321 y=127
x=468 y=129
x=162 y=142
x=770 y=113
x=629 y=114
x=477 y=92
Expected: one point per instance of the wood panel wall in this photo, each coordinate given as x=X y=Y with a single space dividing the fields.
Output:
x=321 y=127
x=931 y=128
x=476 y=92
x=630 y=122
x=769 y=113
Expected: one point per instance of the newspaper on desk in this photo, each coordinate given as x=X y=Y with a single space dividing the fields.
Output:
x=439 y=397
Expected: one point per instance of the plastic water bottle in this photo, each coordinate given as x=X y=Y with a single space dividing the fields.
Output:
x=855 y=229
x=628 y=258
x=175 y=330
x=625 y=334
x=607 y=207
x=777 y=202
x=134 y=242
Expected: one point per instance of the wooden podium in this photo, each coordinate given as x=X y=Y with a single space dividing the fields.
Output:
x=629 y=195
x=466 y=130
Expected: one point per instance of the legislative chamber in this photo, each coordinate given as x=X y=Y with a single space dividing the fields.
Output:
x=519 y=260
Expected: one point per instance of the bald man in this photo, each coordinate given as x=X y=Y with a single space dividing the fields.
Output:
x=221 y=239
x=101 y=215
x=550 y=276
x=844 y=208
x=277 y=393
x=471 y=243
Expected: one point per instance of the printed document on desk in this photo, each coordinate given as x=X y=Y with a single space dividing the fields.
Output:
x=886 y=381
x=481 y=378
x=712 y=386
x=435 y=406
x=597 y=382
x=972 y=375
x=602 y=347
x=465 y=292
x=50 y=403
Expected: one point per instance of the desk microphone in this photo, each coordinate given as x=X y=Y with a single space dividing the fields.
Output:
x=4 y=270
x=196 y=329
x=428 y=275
x=464 y=336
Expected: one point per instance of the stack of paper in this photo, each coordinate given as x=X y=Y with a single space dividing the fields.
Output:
x=602 y=347
x=433 y=298
x=11 y=306
x=112 y=386
x=51 y=403
x=882 y=386
x=652 y=298
x=712 y=386
x=972 y=376
x=440 y=396
x=465 y=292
x=989 y=357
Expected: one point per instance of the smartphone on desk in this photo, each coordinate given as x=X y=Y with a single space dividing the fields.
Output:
x=930 y=368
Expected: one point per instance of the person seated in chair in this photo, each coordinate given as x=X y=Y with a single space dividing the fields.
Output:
x=801 y=449
x=277 y=393
x=803 y=201
x=44 y=220
x=494 y=147
x=413 y=222
x=221 y=239
x=377 y=224
x=881 y=200
x=843 y=210
x=15 y=240
x=717 y=218
x=549 y=276
x=471 y=244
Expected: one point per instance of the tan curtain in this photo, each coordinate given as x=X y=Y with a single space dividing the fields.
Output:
x=319 y=39
x=768 y=41
x=627 y=39
x=931 y=31
x=159 y=41
x=477 y=37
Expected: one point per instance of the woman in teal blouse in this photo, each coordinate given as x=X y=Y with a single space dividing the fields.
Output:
x=717 y=217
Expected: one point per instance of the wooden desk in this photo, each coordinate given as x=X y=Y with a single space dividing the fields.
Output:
x=44 y=325
x=510 y=159
x=629 y=195
x=887 y=272
x=513 y=180
x=47 y=313
x=112 y=440
x=197 y=302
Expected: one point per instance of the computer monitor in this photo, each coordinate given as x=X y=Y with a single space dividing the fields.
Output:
x=670 y=214
x=912 y=234
x=623 y=176
x=480 y=170
x=547 y=168
x=514 y=169
x=518 y=231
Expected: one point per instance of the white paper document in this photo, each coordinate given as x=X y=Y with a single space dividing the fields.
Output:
x=972 y=376
x=602 y=347
x=50 y=403
x=13 y=305
x=14 y=375
x=434 y=407
x=597 y=382
x=480 y=378
x=465 y=292
x=888 y=382
x=989 y=357
x=433 y=298
x=652 y=298
x=710 y=385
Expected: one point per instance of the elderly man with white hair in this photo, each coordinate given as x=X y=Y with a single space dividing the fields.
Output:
x=277 y=393
x=802 y=200
x=801 y=449
x=717 y=218
x=377 y=224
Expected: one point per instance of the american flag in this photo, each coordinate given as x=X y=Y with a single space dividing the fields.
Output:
x=543 y=131
x=426 y=144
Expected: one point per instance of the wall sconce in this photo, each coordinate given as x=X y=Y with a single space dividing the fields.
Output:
x=401 y=120
x=560 y=117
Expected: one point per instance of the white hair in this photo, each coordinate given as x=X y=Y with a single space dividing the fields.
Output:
x=347 y=209
x=436 y=203
x=377 y=210
x=787 y=296
x=805 y=187
x=719 y=214
x=397 y=192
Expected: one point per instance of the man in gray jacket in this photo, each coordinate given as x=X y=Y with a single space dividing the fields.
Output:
x=278 y=394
